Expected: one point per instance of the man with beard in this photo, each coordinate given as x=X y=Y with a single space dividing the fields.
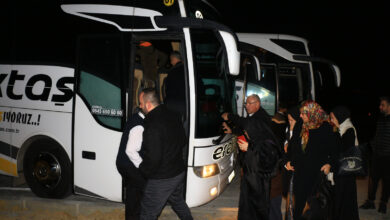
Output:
x=380 y=158
x=162 y=159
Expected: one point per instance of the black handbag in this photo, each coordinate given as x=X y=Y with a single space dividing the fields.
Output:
x=352 y=162
x=319 y=203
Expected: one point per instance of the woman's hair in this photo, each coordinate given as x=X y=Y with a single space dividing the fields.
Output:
x=341 y=113
x=294 y=112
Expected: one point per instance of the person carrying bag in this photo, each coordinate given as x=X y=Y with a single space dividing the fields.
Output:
x=350 y=166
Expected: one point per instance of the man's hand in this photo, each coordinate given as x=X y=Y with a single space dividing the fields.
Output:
x=243 y=145
x=288 y=166
x=226 y=128
x=326 y=169
x=225 y=116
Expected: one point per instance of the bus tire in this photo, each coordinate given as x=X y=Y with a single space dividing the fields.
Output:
x=47 y=170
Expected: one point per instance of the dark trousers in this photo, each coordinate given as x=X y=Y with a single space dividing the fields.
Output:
x=275 y=212
x=158 y=192
x=133 y=202
x=379 y=170
x=134 y=185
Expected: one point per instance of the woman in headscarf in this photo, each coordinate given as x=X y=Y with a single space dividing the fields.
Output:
x=316 y=153
x=345 y=200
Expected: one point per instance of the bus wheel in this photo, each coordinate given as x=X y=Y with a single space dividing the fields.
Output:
x=47 y=170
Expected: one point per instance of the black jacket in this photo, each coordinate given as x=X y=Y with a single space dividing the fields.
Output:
x=175 y=89
x=125 y=167
x=175 y=83
x=163 y=142
x=261 y=116
x=381 y=143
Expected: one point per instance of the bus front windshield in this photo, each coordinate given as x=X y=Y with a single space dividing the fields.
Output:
x=214 y=89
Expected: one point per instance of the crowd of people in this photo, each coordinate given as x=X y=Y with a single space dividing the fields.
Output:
x=294 y=154
x=297 y=153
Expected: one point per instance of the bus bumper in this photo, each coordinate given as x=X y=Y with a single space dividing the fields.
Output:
x=203 y=190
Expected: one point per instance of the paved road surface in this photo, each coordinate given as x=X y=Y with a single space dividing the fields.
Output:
x=23 y=205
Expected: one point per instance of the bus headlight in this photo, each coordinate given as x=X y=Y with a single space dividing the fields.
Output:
x=207 y=170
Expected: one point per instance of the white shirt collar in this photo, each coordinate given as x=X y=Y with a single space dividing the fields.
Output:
x=141 y=115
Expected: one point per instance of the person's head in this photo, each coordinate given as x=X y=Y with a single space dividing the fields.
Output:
x=282 y=107
x=384 y=106
x=312 y=116
x=312 y=113
x=293 y=114
x=339 y=114
x=175 y=57
x=252 y=104
x=148 y=100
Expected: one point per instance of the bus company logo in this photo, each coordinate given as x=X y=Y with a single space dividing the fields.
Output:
x=44 y=95
x=223 y=150
x=168 y=2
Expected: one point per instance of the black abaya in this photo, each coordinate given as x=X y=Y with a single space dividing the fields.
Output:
x=345 y=194
x=322 y=148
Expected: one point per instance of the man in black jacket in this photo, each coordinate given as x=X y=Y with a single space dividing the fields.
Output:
x=132 y=178
x=255 y=112
x=258 y=159
x=175 y=92
x=162 y=153
x=380 y=158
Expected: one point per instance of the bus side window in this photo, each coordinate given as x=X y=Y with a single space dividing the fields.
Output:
x=100 y=77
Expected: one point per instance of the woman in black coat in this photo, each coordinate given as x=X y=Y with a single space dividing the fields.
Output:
x=293 y=132
x=316 y=153
x=345 y=194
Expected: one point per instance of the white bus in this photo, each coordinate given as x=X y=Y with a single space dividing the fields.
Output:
x=70 y=75
x=279 y=69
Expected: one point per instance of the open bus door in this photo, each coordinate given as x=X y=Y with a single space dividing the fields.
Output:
x=98 y=117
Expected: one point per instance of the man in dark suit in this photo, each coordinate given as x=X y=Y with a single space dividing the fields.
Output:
x=127 y=165
x=162 y=153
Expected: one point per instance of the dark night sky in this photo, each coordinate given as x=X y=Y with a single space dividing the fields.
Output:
x=353 y=36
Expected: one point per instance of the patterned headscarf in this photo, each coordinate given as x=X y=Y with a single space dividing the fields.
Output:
x=316 y=116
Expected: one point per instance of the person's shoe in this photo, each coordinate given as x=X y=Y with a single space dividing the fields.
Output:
x=382 y=208
x=368 y=205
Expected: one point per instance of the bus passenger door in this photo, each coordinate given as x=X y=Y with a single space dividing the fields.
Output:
x=98 y=117
x=249 y=70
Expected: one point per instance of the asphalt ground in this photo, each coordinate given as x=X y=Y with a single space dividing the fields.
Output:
x=21 y=204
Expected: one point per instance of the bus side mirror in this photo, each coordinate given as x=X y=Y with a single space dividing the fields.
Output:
x=336 y=71
x=334 y=67
x=233 y=56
